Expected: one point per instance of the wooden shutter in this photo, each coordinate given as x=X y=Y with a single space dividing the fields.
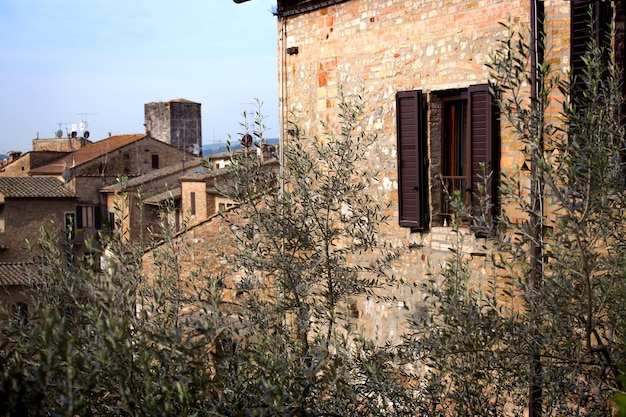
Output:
x=580 y=30
x=482 y=143
x=79 y=217
x=412 y=189
x=97 y=217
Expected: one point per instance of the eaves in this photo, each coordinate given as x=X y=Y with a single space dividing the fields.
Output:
x=286 y=10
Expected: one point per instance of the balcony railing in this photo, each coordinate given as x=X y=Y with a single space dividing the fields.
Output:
x=452 y=184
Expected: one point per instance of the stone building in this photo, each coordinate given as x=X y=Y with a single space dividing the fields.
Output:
x=102 y=163
x=26 y=204
x=145 y=201
x=421 y=68
x=176 y=122
x=20 y=165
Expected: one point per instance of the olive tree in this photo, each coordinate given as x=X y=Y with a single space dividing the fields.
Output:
x=544 y=332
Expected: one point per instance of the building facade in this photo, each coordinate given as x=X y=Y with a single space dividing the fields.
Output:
x=421 y=67
x=26 y=205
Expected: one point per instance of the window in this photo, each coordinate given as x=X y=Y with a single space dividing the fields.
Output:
x=84 y=217
x=88 y=217
x=155 y=161
x=455 y=162
x=192 y=201
x=583 y=31
x=111 y=216
x=462 y=141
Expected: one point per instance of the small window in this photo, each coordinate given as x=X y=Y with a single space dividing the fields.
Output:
x=192 y=202
x=85 y=217
x=111 y=220
x=469 y=146
x=155 y=161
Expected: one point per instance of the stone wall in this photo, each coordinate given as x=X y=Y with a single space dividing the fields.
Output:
x=200 y=200
x=175 y=122
x=23 y=218
x=378 y=48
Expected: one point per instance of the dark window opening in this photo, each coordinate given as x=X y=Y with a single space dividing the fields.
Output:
x=192 y=201
x=155 y=161
x=455 y=158
x=111 y=220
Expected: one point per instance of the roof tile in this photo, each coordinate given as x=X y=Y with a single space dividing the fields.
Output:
x=14 y=274
x=87 y=153
x=28 y=187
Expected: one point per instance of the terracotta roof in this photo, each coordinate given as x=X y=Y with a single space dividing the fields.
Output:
x=191 y=164
x=157 y=199
x=14 y=274
x=87 y=153
x=25 y=187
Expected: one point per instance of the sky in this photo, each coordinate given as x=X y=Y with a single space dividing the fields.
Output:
x=100 y=61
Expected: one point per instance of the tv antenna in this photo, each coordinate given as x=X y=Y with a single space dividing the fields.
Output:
x=83 y=123
x=59 y=133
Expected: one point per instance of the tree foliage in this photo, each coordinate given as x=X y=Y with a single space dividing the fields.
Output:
x=117 y=341
x=555 y=327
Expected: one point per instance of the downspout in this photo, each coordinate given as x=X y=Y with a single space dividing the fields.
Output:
x=282 y=99
x=535 y=386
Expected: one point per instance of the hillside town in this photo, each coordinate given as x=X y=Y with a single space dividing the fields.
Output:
x=77 y=185
x=432 y=89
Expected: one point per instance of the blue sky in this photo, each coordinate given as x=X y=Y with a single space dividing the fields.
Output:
x=64 y=61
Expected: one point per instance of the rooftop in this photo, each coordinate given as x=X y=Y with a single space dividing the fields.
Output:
x=87 y=153
x=29 y=187
x=14 y=274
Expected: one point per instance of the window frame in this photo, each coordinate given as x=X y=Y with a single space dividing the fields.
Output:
x=420 y=140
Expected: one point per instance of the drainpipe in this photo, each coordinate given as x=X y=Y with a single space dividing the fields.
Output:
x=535 y=386
x=282 y=99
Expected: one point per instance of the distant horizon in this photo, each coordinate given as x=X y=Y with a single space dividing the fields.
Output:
x=100 y=63
x=206 y=146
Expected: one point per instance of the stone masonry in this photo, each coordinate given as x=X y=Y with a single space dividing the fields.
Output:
x=382 y=47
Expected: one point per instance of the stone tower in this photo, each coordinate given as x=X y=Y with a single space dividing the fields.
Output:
x=176 y=122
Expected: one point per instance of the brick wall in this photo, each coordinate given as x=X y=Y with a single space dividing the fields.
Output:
x=201 y=201
x=22 y=219
x=382 y=47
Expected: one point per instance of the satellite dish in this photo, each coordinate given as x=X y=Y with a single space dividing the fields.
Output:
x=66 y=175
x=86 y=134
x=59 y=134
